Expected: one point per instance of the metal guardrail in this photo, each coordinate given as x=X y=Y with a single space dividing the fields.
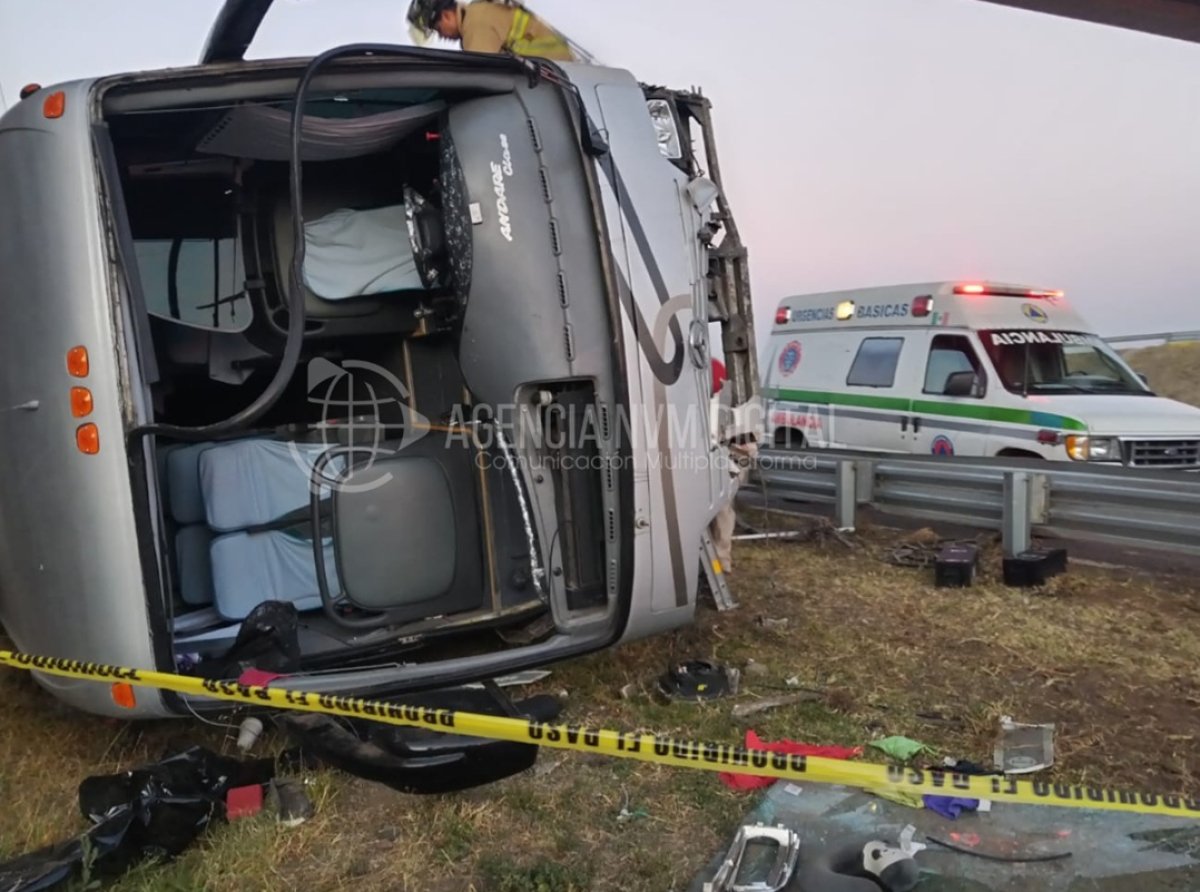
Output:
x=1152 y=510
x=1170 y=337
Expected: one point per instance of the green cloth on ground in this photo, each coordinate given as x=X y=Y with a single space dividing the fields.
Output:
x=901 y=749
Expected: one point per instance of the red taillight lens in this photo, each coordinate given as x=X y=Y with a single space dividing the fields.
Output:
x=783 y=316
x=1048 y=438
x=922 y=306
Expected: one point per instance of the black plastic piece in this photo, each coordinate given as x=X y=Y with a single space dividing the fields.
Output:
x=696 y=680
x=955 y=566
x=416 y=760
x=1033 y=568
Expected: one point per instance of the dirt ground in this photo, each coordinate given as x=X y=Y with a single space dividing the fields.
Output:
x=1173 y=369
x=1110 y=656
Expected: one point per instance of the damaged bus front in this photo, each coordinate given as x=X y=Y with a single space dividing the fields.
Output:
x=386 y=349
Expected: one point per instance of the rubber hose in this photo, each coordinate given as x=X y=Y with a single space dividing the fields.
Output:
x=290 y=360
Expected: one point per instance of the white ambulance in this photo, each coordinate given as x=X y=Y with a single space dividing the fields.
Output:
x=968 y=369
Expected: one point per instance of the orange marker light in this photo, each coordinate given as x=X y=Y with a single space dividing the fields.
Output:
x=87 y=438
x=55 y=105
x=78 y=363
x=81 y=402
x=123 y=696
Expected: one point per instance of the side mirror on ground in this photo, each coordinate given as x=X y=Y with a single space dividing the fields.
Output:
x=962 y=384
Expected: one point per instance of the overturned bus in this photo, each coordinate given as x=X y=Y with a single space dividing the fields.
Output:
x=399 y=339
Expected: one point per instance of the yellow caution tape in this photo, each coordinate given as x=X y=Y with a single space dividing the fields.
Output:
x=654 y=748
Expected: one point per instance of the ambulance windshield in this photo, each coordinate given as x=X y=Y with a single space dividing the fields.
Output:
x=1058 y=362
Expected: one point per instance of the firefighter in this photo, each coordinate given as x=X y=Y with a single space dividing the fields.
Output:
x=489 y=27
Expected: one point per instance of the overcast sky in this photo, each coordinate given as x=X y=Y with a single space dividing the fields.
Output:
x=865 y=142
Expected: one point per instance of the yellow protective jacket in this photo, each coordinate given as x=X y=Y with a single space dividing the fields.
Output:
x=495 y=28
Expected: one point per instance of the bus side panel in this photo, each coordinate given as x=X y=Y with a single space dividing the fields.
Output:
x=645 y=203
x=70 y=578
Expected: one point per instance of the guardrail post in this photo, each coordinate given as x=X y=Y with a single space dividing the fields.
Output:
x=847 y=495
x=1018 y=492
x=865 y=472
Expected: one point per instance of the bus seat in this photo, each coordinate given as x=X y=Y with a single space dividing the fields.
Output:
x=214 y=489
x=357 y=253
x=249 y=568
x=345 y=226
x=192 y=545
x=249 y=483
x=184 y=497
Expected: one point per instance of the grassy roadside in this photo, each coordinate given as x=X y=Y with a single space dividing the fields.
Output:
x=1110 y=656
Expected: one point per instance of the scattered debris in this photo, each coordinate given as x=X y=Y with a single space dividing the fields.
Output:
x=290 y=801
x=950 y=806
x=1034 y=568
x=874 y=862
x=152 y=812
x=420 y=760
x=962 y=766
x=824 y=532
x=243 y=802
x=900 y=749
x=922 y=549
x=746 y=782
x=955 y=566
x=924 y=537
x=625 y=815
x=761 y=858
x=698 y=681
x=754 y=669
x=628 y=691
x=900 y=797
x=761 y=537
x=1031 y=858
x=268 y=640
x=249 y=733
x=1023 y=749
x=745 y=710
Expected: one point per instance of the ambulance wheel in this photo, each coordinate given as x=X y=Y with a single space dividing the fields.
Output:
x=790 y=439
x=1018 y=453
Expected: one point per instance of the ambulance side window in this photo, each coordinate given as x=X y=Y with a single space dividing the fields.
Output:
x=950 y=355
x=875 y=364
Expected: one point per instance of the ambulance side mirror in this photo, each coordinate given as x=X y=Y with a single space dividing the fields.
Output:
x=962 y=384
x=1145 y=379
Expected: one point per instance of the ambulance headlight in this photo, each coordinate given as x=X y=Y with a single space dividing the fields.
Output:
x=1093 y=448
x=666 y=128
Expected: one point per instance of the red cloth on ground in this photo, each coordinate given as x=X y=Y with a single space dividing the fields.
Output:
x=747 y=782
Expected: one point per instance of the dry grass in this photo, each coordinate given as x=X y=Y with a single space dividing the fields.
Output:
x=1173 y=370
x=1110 y=657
